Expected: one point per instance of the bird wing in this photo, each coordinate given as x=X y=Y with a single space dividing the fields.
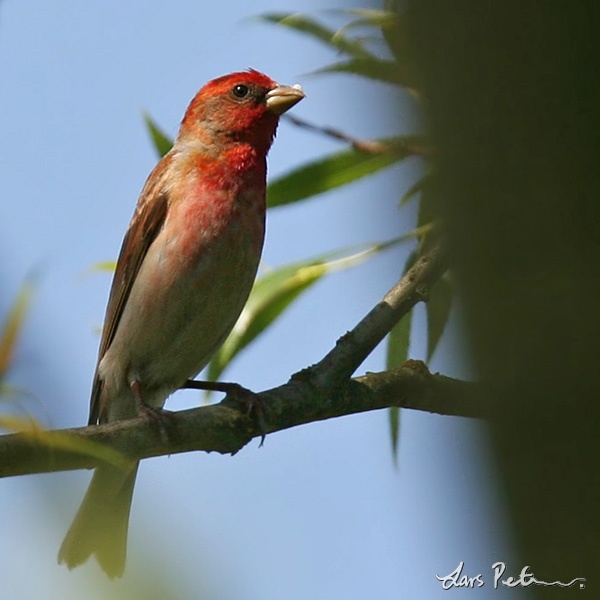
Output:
x=145 y=225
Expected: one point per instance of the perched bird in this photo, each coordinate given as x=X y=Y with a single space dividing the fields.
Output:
x=186 y=267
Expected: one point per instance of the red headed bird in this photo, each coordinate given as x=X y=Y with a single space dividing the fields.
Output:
x=186 y=267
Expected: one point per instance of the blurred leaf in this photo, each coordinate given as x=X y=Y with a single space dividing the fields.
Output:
x=394 y=421
x=395 y=34
x=389 y=25
x=12 y=326
x=440 y=296
x=379 y=69
x=162 y=142
x=427 y=210
x=413 y=190
x=311 y=27
x=62 y=440
x=396 y=354
x=438 y=311
x=370 y=17
x=272 y=294
x=336 y=170
x=398 y=342
x=107 y=265
x=11 y=392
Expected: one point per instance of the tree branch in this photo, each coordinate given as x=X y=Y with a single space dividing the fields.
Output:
x=226 y=428
x=323 y=391
x=353 y=347
x=368 y=146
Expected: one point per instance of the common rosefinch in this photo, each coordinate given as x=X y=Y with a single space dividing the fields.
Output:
x=184 y=273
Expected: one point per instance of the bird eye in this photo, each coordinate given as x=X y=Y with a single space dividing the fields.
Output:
x=240 y=90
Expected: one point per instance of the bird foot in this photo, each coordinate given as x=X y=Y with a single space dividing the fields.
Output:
x=155 y=414
x=253 y=402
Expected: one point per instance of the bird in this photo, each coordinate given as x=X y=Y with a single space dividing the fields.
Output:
x=184 y=272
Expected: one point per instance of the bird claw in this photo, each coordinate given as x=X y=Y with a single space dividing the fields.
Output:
x=157 y=413
x=154 y=414
x=253 y=404
x=158 y=416
x=237 y=393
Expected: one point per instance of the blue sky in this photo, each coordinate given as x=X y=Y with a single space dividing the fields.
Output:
x=320 y=511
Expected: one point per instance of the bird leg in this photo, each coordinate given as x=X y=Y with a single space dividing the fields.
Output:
x=156 y=414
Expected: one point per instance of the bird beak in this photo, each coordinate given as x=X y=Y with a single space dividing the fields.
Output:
x=283 y=97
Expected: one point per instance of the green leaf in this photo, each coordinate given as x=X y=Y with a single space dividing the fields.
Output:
x=272 y=294
x=413 y=190
x=10 y=392
x=397 y=353
x=371 y=17
x=395 y=33
x=106 y=265
x=388 y=71
x=61 y=440
x=390 y=24
x=162 y=142
x=13 y=325
x=335 y=170
x=398 y=342
x=427 y=205
x=438 y=311
x=323 y=34
x=394 y=421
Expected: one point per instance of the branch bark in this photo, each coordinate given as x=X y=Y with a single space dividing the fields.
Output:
x=226 y=428
x=323 y=391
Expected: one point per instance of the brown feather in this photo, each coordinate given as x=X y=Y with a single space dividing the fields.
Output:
x=145 y=225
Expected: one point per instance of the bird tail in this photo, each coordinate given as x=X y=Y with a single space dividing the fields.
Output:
x=100 y=526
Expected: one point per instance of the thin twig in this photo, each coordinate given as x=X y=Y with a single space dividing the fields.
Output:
x=368 y=146
x=352 y=348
